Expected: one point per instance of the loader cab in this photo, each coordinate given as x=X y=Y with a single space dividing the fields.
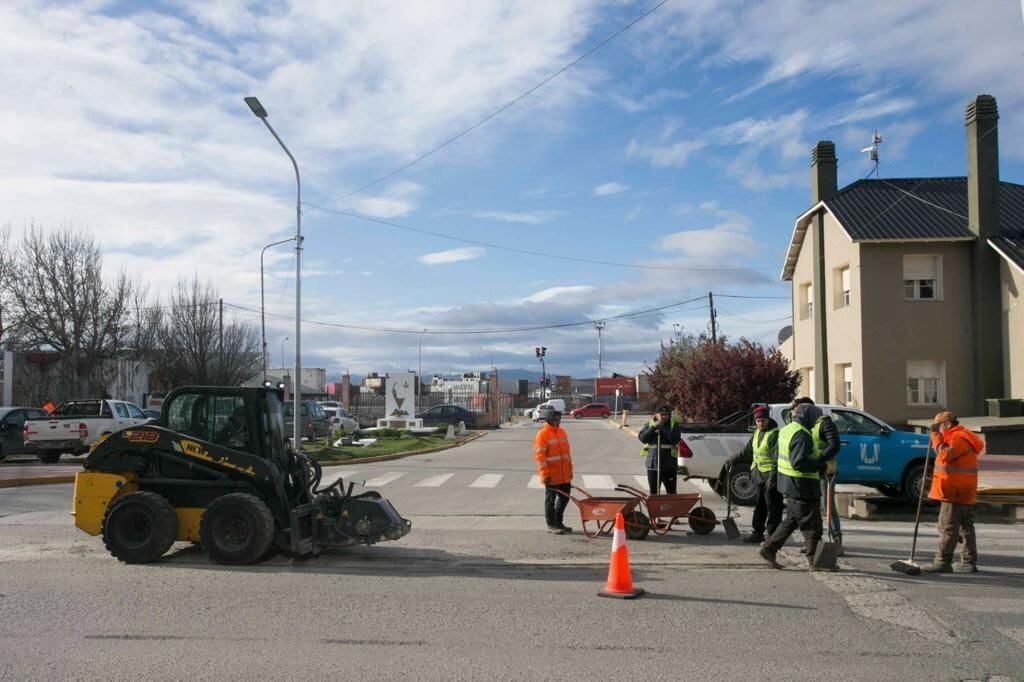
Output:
x=246 y=419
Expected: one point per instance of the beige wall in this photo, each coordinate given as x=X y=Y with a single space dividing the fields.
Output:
x=895 y=330
x=1013 y=330
x=803 y=329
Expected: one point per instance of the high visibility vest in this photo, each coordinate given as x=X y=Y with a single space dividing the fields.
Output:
x=672 y=424
x=785 y=437
x=552 y=454
x=762 y=453
x=956 y=481
x=819 y=444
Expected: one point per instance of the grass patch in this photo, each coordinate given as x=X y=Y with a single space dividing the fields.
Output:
x=323 y=452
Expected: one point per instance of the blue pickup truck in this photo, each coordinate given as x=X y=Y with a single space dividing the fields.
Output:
x=872 y=453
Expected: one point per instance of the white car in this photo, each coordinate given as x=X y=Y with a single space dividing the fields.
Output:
x=339 y=418
x=77 y=424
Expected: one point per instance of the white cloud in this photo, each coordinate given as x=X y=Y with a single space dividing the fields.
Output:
x=563 y=294
x=634 y=105
x=659 y=155
x=529 y=218
x=874 y=106
x=396 y=201
x=453 y=255
x=609 y=188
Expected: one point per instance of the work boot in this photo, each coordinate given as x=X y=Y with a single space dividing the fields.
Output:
x=555 y=530
x=965 y=568
x=768 y=554
x=565 y=529
x=938 y=567
x=753 y=538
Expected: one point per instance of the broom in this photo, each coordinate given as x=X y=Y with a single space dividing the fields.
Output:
x=909 y=566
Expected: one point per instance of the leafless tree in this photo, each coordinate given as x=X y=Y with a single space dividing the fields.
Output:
x=189 y=341
x=6 y=271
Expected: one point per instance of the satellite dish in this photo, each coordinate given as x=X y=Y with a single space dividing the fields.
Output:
x=785 y=333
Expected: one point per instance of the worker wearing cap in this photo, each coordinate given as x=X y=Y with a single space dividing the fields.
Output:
x=798 y=476
x=955 y=486
x=826 y=448
x=554 y=468
x=661 y=436
x=763 y=453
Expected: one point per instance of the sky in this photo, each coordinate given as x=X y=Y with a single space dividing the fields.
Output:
x=676 y=155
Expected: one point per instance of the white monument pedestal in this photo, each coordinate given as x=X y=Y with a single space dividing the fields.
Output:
x=400 y=403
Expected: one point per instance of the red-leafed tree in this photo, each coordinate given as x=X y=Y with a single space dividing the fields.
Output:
x=708 y=380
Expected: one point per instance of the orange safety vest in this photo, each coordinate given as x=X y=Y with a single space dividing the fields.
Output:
x=956 y=466
x=49 y=407
x=551 y=450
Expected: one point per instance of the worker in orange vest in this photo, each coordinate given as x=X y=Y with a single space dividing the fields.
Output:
x=955 y=485
x=554 y=467
x=49 y=406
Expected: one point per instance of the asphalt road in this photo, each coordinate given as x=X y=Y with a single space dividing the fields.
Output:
x=479 y=591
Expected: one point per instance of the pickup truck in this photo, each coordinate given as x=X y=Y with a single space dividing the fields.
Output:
x=76 y=424
x=871 y=452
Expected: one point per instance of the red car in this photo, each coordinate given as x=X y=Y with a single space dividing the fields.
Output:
x=592 y=410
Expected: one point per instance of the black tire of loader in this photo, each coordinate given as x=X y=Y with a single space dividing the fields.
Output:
x=248 y=518
x=139 y=527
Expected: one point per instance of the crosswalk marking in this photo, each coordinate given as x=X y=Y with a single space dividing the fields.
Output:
x=434 y=481
x=534 y=482
x=487 y=481
x=385 y=479
x=598 y=482
x=642 y=481
x=329 y=476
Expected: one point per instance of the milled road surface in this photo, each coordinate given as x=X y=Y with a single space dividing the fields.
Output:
x=479 y=591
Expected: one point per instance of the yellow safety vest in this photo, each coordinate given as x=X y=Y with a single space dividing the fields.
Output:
x=672 y=423
x=762 y=454
x=819 y=444
x=785 y=437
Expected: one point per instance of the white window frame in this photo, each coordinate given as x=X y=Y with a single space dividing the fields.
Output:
x=845 y=285
x=807 y=301
x=919 y=385
x=847 y=384
x=912 y=288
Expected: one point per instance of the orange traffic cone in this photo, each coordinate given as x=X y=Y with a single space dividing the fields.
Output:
x=620 y=582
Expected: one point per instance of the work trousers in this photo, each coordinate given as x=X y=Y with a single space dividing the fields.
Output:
x=767 y=509
x=554 y=504
x=802 y=514
x=956 y=524
x=835 y=529
x=668 y=479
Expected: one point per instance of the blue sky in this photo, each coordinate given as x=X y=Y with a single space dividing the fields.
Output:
x=684 y=143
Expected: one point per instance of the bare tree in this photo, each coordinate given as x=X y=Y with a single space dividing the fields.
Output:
x=6 y=271
x=189 y=341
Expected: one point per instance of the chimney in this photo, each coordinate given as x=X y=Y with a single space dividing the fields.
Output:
x=981 y=121
x=824 y=182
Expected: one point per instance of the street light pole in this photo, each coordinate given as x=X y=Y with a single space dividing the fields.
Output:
x=419 y=355
x=282 y=351
x=263 y=306
x=261 y=113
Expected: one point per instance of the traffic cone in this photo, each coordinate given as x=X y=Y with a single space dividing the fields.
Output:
x=620 y=582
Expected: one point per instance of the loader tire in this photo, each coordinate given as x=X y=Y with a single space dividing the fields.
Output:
x=139 y=527
x=236 y=529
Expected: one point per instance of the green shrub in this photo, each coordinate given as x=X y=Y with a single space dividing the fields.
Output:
x=389 y=433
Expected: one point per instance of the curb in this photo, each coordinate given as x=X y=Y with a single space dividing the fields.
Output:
x=401 y=455
x=35 y=480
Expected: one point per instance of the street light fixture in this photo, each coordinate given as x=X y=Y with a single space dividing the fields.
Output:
x=261 y=113
x=263 y=306
x=541 y=351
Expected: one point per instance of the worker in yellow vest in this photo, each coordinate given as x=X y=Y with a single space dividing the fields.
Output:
x=763 y=451
x=798 y=476
x=825 y=434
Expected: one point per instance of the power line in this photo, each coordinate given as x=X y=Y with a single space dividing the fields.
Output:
x=773 y=298
x=530 y=252
x=503 y=107
x=507 y=330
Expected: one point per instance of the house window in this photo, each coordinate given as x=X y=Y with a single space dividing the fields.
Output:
x=922 y=278
x=841 y=293
x=846 y=388
x=806 y=302
x=810 y=384
x=844 y=278
x=925 y=385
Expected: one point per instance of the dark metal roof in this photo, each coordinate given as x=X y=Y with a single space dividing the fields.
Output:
x=1011 y=248
x=918 y=208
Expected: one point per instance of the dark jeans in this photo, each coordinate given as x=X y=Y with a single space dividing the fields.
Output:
x=956 y=524
x=767 y=510
x=554 y=504
x=835 y=529
x=668 y=479
x=802 y=514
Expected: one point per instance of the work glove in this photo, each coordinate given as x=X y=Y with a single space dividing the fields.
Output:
x=935 y=428
x=830 y=468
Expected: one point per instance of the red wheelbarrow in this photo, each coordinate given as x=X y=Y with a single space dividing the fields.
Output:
x=664 y=510
x=601 y=511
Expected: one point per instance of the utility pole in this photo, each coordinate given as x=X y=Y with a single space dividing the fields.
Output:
x=714 y=318
x=599 y=326
x=220 y=324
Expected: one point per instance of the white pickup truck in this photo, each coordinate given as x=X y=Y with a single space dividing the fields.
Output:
x=76 y=424
x=871 y=452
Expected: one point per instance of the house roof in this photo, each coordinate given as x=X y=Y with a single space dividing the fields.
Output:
x=908 y=209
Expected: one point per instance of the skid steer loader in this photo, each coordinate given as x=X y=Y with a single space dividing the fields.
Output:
x=215 y=469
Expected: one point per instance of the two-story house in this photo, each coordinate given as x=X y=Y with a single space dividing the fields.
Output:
x=907 y=292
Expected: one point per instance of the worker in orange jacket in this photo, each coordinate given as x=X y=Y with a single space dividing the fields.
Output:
x=955 y=485
x=554 y=467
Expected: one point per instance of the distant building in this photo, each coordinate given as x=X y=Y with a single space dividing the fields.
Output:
x=313 y=378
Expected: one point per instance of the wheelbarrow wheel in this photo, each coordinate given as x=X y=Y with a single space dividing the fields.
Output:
x=637 y=525
x=702 y=520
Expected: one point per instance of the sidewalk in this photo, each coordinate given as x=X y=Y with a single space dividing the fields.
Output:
x=15 y=475
x=998 y=472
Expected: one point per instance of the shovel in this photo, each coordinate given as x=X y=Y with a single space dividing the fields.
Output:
x=827 y=552
x=729 y=523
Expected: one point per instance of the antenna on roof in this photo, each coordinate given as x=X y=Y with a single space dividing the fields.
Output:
x=872 y=151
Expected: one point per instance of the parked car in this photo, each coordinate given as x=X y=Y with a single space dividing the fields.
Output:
x=871 y=452
x=442 y=415
x=592 y=410
x=151 y=413
x=340 y=418
x=313 y=419
x=12 y=424
x=542 y=411
x=76 y=424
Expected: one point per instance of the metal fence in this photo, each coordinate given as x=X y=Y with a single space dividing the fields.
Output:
x=367 y=408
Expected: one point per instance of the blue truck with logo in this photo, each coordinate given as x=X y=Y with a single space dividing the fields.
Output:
x=871 y=453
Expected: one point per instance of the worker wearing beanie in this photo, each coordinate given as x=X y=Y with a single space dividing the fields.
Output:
x=663 y=432
x=955 y=485
x=763 y=452
x=554 y=468
x=825 y=434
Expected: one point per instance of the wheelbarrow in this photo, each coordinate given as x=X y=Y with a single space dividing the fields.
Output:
x=600 y=513
x=663 y=511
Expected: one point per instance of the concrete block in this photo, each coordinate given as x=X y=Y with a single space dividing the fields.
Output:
x=862 y=508
x=844 y=505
